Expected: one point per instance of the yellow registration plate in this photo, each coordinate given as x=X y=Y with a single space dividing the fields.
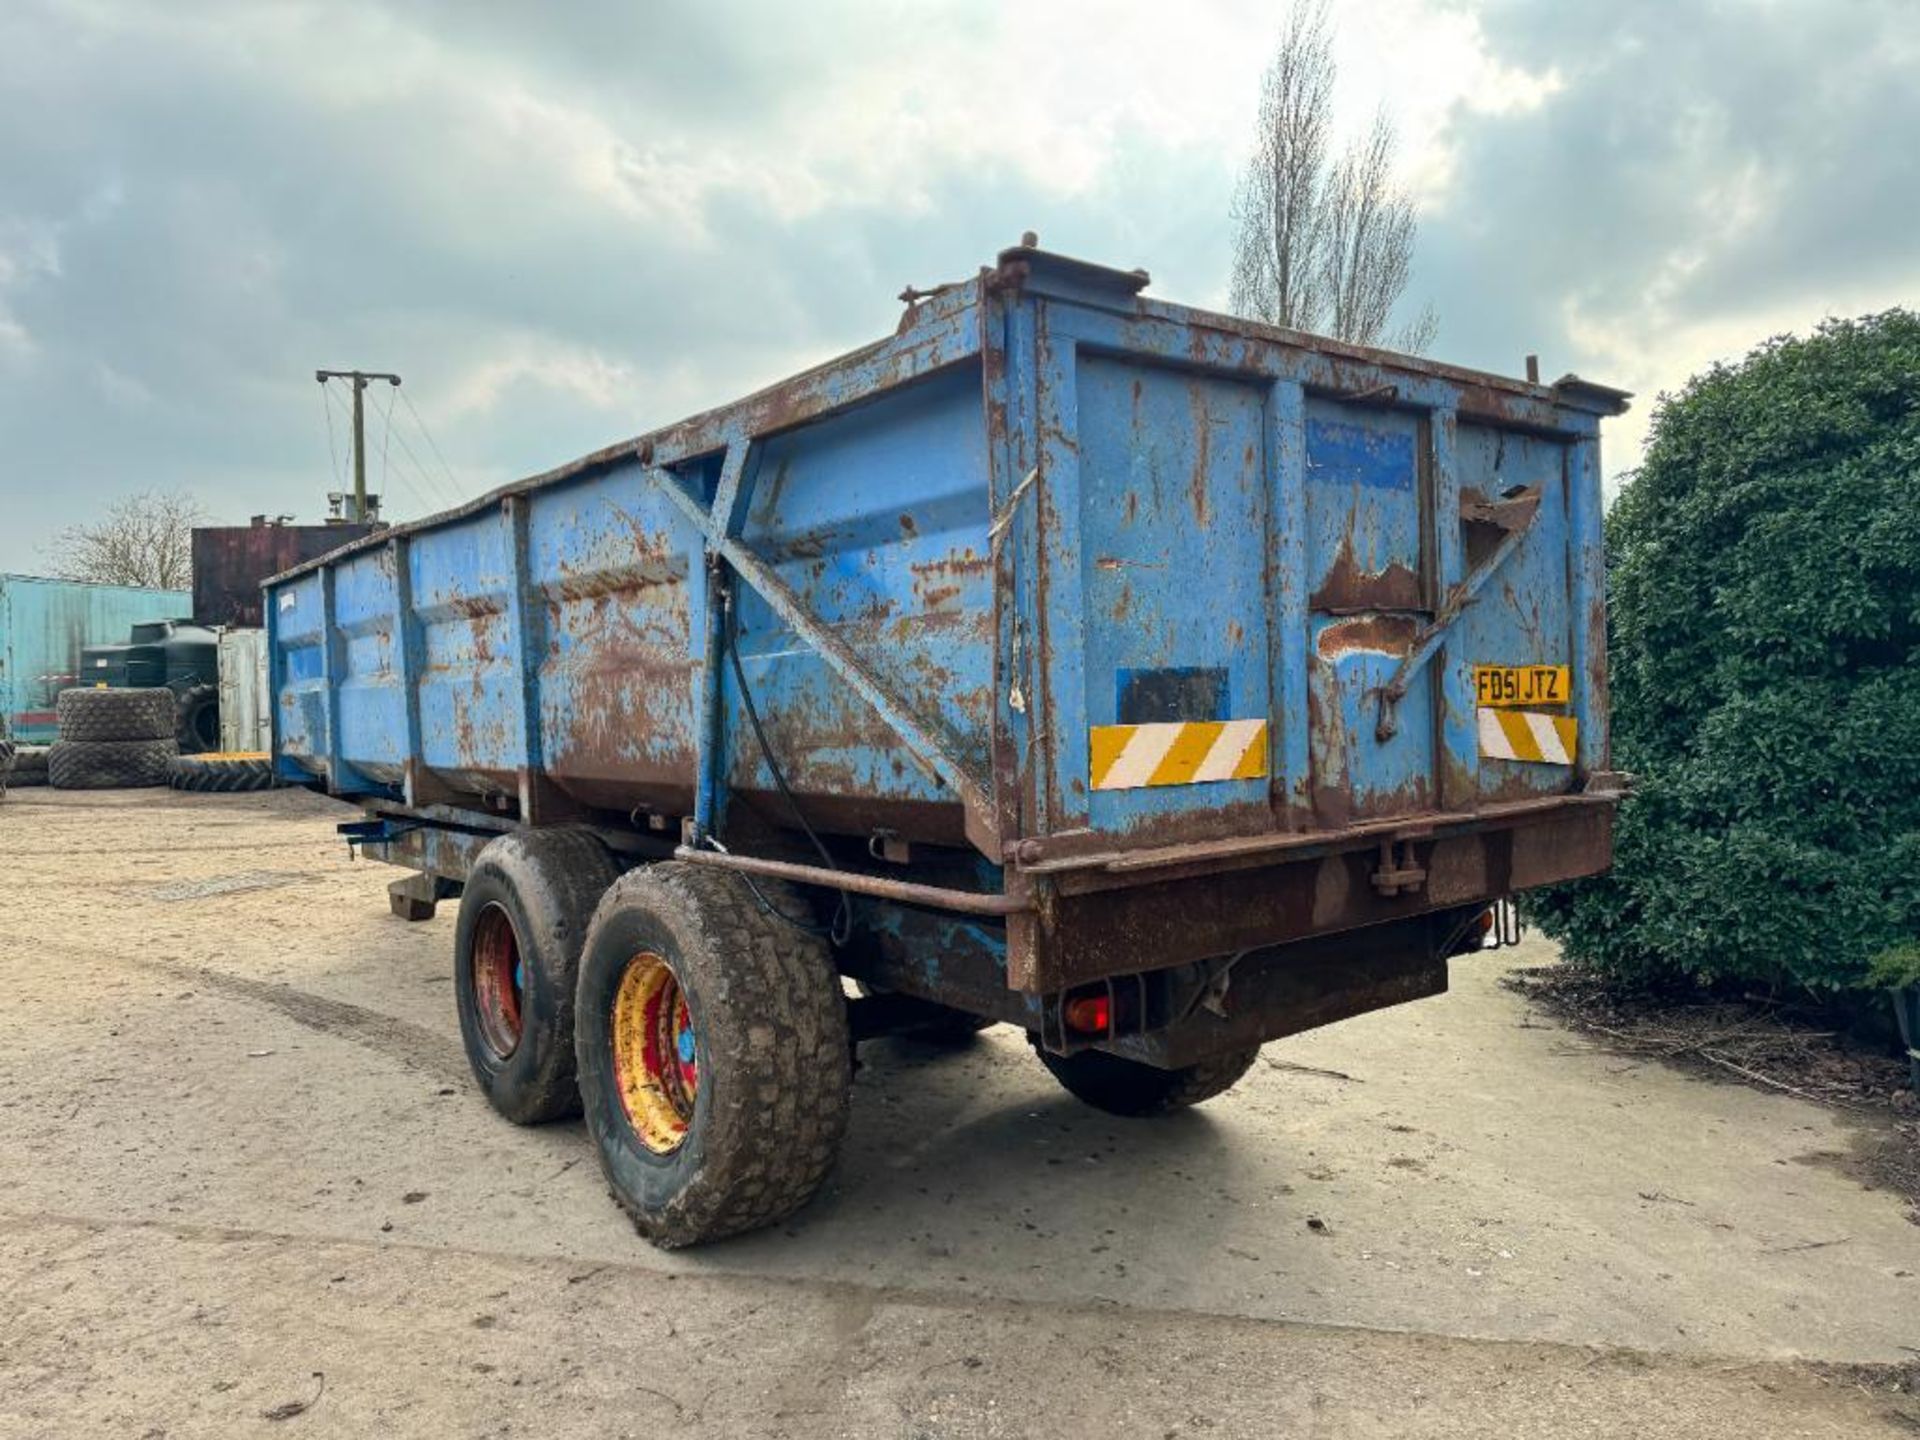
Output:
x=1522 y=684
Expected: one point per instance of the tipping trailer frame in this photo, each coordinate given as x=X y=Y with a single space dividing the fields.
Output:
x=1318 y=898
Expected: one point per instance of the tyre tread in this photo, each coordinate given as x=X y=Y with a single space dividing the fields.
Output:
x=220 y=777
x=558 y=874
x=191 y=702
x=141 y=713
x=108 y=764
x=792 y=1061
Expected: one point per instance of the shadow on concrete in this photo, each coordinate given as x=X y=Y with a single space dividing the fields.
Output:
x=972 y=1171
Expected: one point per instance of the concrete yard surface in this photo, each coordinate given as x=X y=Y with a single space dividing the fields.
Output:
x=247 y=1187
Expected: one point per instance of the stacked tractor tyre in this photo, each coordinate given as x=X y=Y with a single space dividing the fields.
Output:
x=29 y=766
x=113 y=739
x=222 y=772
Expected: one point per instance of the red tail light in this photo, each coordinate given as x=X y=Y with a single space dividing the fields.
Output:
x=1089 y=1014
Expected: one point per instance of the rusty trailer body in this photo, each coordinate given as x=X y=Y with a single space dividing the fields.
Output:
x=1104 y=645
x=230 y=561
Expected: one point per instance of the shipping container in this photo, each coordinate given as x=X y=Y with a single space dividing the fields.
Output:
x=46 y=623
x=246 y=719
x=1156 y=681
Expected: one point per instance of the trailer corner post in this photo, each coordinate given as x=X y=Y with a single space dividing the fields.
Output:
x=1586 y=511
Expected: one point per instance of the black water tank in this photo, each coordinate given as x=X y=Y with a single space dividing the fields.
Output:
x=175 y=653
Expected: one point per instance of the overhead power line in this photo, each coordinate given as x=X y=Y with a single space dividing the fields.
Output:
x=386 y=433
x=427 y=499
x=360 y=380
x=419 y=420
x=427 y=475
x=333 y=451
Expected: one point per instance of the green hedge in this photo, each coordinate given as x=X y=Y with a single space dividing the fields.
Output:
x=1764 y=568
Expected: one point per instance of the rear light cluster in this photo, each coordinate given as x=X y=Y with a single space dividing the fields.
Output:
x=1494 y=928
x=1088 y=1014
x=1101 y=1011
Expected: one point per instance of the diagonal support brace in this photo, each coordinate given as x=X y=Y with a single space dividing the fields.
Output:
x=1432 y=635
x=928 y=748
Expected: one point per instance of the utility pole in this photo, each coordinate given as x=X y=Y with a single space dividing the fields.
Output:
x=359 y=379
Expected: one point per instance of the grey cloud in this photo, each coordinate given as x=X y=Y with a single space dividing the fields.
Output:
x=221 y=231
x=1698 y=161
x=232 y=204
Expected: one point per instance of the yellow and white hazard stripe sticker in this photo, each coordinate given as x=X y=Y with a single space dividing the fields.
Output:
x=1528 y=735
x=1182 y=752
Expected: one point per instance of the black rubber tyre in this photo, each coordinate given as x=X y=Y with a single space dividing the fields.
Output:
x=221 y=774
x=766 y=1036
x=139 y=714
x=108 y=764
x=533 y=893
x=1126 y=1087
x=197 y=719
x=29 y=766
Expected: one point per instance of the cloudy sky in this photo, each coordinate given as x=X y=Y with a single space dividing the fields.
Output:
x=566 y=223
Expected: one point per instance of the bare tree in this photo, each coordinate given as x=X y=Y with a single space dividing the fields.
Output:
x=1323 y=244
x=144 y=539
x=1276 y=264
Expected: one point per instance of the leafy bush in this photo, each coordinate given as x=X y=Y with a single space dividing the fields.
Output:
x=1896 y=967
x=1764 y=572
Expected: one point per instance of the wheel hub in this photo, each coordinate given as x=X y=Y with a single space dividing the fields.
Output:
x=656 y=1060
x=499 y=982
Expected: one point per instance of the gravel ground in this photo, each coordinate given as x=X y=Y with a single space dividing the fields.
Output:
x=246 y=1188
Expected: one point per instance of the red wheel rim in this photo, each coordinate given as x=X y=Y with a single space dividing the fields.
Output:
x=498 y=981
x=656 y=1059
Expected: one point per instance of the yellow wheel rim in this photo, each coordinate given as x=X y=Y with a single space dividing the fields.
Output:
x=656 y=1062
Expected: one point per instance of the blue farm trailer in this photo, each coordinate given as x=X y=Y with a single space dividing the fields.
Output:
x=1155 y=681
